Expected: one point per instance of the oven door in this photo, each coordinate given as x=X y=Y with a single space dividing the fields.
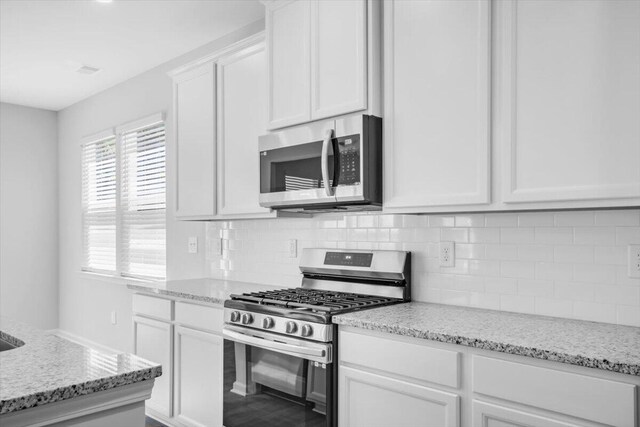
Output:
x=275 y=380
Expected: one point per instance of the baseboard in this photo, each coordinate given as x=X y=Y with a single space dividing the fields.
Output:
x=83 y=341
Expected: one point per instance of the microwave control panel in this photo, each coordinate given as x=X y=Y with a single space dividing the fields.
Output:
x=349 y=160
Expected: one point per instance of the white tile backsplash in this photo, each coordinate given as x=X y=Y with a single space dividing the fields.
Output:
x=566 y=264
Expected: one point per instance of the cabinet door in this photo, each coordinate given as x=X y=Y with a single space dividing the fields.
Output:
x=288 y=41
x=194 y=110
x=568 y=99
x=152 y=341
x=198 y=377
x=241 y=120
x=437 y=79
x=338 y=57
x=489 y=415
x=370 y=400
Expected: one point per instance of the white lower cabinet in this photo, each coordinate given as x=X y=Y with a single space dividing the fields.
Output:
x=489 y=415
x=152 y=341
x=186 y=338
x=198 y=377
x=370 y=400
x=391 y=380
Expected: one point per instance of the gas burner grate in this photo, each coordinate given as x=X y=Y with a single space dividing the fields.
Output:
x=314 y=299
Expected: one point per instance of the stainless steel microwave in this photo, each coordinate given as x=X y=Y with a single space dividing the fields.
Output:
x=324 y=166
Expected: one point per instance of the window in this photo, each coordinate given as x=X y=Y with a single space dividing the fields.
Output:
x=124 y=201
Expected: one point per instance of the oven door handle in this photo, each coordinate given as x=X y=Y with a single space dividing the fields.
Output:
x=313 y=353
x=325 y=162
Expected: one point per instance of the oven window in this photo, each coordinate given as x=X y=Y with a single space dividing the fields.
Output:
x=297 y=167
x=265 y=388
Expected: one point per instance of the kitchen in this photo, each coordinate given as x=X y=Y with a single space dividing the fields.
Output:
x=509 y=166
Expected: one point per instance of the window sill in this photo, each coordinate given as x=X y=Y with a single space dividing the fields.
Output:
x=117 y=280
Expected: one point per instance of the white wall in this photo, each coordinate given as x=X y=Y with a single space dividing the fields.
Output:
x=29 y=215
x=86 y=302
x=564 y=264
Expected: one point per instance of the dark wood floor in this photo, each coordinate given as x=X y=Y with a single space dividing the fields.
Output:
x=150 y=422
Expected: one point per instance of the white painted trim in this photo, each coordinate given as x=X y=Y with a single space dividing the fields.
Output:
x=94 y=403
x=69 y=336
x=141 y=123
x=214 y=56
x=98 y=136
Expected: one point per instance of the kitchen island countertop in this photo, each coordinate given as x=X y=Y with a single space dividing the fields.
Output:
x=595 y=345
x=46 y=369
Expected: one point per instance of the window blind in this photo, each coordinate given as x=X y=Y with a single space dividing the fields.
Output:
x=99 y=205
x=143 y=202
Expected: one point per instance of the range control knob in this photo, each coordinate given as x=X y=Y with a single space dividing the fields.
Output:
x=247 y=319
x=235 y=316
x=306 y=330
x=291 y=327
x=267 y=323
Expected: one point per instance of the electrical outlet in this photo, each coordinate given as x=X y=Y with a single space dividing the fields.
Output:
x=193 y=245
x=293 y=248
x=634 y=260
x=114 y=317
x=447 y=254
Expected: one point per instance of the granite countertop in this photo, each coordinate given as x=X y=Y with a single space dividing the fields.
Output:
x=47 y=369
x=594 y=345
x=212 y=291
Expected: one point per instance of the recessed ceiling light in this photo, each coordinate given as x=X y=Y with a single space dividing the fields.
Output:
x=85 y=69
x=104 y=1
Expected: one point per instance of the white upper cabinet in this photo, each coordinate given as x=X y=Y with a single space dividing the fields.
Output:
x=338 y=57
x=194 y=125
x=242 y=97
x=322 y=58
x=288 y=41
x=220 y=111
x=568 y=100
x=437 y=104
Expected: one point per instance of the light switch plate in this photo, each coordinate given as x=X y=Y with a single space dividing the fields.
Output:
x=293 y=248
x=193 y=245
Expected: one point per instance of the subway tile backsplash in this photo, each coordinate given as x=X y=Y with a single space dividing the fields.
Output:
x=565 y=264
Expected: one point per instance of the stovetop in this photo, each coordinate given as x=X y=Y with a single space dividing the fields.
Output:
x=317 y=300
x=307 y=305
x=333 y=282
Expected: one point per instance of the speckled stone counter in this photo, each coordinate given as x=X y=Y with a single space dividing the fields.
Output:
x=595 y=345
x=47 y=369
x=211 y=291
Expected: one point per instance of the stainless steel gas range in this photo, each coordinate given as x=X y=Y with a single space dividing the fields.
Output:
x=280 y=346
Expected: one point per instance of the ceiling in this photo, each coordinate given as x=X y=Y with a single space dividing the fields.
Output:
x=44 y=42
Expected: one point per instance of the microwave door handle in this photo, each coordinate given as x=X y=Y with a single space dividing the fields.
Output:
x=273 y=345
x=325 y=162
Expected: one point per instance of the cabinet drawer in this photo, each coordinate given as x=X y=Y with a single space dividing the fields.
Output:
x=199 y=316
x=412 y=360
x=595 y=399
x=151 y=306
